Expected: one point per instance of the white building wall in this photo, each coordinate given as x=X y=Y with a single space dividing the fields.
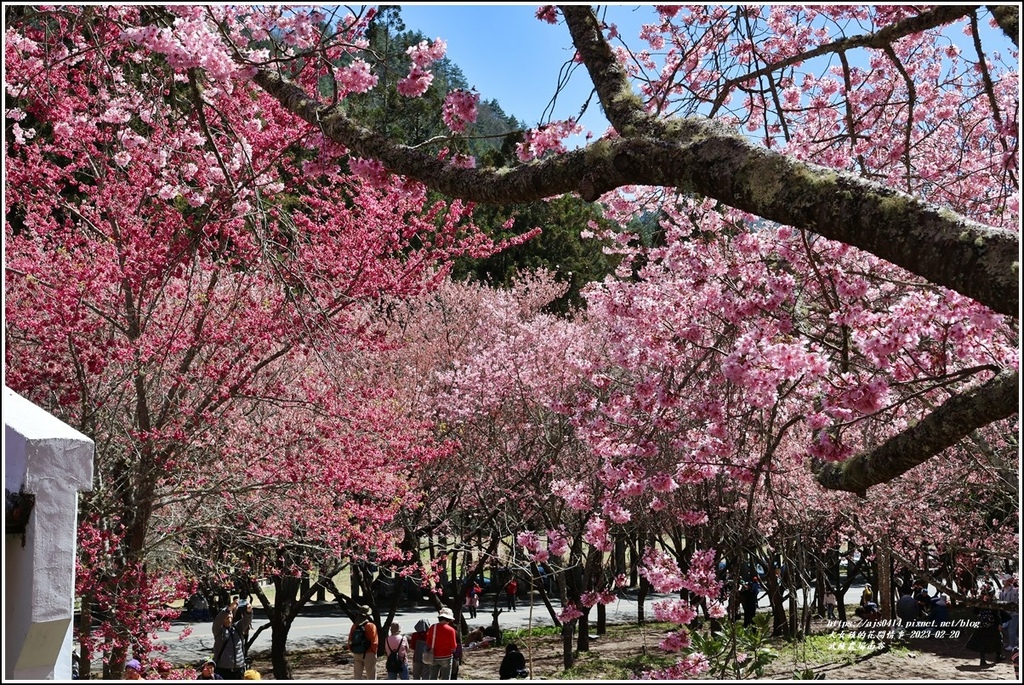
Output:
x=46 y=458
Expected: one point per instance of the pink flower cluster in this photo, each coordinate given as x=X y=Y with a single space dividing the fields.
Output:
x=189 y=44
x=416 y=83
x=356 y=78
x=569 y=613
x=459 y=109
x=370 y=170
x=576 y=495
x=557 y=544
x=616 y=512
x=547 y=13
x=419 y=79
x=690 y=667
x=534 y=546
x=544 y=139
x=661 y=571
x=589 y=599
x=702 y=578
x=424 y=54
x=597 y=534
x=676 y=641
x=693 y=518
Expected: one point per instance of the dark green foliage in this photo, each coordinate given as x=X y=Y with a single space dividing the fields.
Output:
x=559 y=247
x=492 y=140
x=412 y=121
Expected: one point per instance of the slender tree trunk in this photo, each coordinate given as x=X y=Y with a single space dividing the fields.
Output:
x=544 y=594
x=883 y=564
x=641 y=596
x=583 y=640
x=567 y=629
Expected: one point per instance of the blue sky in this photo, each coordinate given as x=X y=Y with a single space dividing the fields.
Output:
x=514 y=58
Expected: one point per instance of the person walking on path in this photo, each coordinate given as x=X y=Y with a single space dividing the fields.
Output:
x=442 y=641
x=362 y=642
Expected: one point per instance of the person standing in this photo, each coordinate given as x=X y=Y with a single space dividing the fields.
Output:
x=830 y=604
x=229 y=640
x=986 y=637
x=442 y=639
x=1011 y=595
x=418 y=642
x=362 y=642
x=473 y=599
x=511 y=588
x=396 y=653
x=244 y=608
x=197 y=607
x=748 y=600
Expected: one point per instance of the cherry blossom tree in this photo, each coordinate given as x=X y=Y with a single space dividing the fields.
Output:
x=888 y=160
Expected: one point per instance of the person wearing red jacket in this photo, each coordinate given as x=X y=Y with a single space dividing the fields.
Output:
x=511 y=590
x=443 y=641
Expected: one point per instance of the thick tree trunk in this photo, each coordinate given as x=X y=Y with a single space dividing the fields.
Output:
x=279 y=650
x=883 y=571
x=773 y=585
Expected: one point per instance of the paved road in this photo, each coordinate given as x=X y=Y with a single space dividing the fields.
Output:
x=326 y=626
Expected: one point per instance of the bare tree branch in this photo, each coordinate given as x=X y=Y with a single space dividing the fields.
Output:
x=939 y=16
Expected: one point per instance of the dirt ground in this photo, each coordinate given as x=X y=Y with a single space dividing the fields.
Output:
x=917 y=659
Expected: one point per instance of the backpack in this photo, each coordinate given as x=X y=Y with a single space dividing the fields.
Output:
x=360 y=642
x=394 y=662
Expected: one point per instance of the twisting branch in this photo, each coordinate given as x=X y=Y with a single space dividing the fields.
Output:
x=957 y=418
x=702 y=156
